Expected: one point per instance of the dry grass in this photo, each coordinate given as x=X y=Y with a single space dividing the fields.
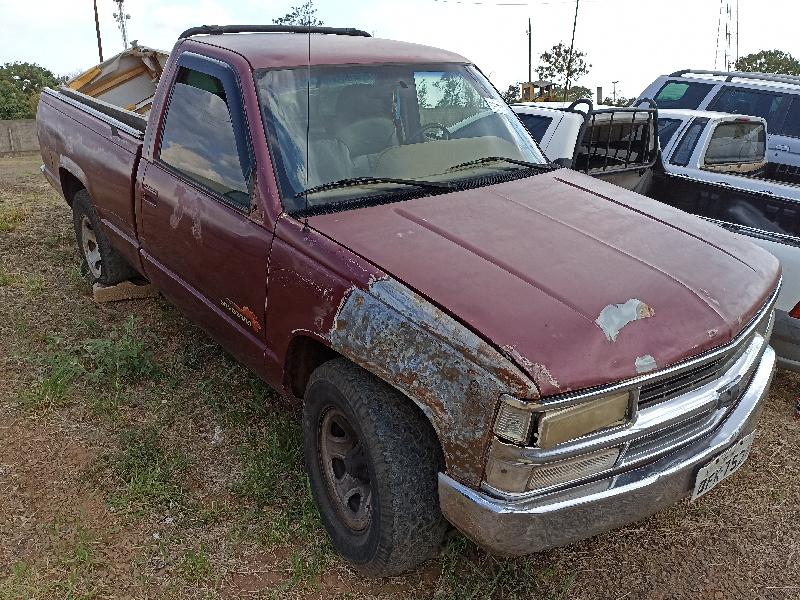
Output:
x=137 y=460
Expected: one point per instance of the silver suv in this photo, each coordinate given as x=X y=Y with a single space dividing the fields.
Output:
x=776 y=98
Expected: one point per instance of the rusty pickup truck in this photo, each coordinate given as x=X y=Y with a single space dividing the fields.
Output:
x=477 y=336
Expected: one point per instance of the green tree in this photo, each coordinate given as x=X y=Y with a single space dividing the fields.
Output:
x=559 y=65
x=620 y=101
x=769 y=61
x=20 y=86
x=511 y=95
x=422 y=94
x=302 y=14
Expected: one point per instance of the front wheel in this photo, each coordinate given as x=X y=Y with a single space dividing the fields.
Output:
x=373 y=461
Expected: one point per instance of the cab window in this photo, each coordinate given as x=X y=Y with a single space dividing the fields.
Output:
x=685 y=148
x=755 y=103
x=737 y=142
x=198 y=138
x=681 y=94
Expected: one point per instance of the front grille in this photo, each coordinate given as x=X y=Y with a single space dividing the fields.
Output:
x=685 y=381
x=668 y=438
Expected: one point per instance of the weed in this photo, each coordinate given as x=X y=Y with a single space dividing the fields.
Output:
x=196 y=566
x=63 y=368
x=120 y=358
x=117 y=361
x=7 y=278
x=467 y=573
x=10 y=217
x=148 y=474
x=34 y=285
x=273 y=459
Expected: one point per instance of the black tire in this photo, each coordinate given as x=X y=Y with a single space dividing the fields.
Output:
x=402 y=457
x=111 y=268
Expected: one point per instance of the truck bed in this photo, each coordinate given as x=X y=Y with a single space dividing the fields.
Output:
x=99 y=144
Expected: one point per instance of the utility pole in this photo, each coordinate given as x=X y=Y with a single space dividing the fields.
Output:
x=737 y=32
x=122 y=19
x=97 y=29
x=529 y=52
x=614 y=93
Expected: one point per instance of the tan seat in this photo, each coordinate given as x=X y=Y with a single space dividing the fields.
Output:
x=364 y=120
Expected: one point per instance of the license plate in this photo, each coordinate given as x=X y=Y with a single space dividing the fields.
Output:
x=724 y=465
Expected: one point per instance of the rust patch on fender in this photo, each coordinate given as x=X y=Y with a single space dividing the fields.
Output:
x=454 y=376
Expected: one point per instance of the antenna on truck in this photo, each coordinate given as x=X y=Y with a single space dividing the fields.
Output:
x=308 y=132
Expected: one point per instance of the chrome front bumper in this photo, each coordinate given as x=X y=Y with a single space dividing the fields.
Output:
x=522 y=526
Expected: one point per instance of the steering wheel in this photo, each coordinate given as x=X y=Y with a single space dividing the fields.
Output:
x=427 y=132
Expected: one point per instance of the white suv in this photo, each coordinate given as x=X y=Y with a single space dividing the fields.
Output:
x=775 y=98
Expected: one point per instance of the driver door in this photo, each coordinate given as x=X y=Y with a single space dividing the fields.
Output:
x=200 y=246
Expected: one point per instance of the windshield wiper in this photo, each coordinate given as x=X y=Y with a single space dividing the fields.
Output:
x=357 y=181
x=513 y=161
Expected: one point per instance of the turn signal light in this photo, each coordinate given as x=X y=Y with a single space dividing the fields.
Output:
x=513 y=421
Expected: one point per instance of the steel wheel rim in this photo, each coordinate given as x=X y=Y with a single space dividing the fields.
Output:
x=345 y=469
x=91 y=251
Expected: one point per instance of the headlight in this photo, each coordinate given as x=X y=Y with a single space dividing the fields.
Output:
x=557 y=426
x=516 y=420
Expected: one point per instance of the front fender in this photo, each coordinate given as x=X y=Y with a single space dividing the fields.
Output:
x=452 y=374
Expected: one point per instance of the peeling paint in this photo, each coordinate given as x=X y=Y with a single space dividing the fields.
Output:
x=453 y=375
x=616 y=316
x=540 y=373
x=645 y=364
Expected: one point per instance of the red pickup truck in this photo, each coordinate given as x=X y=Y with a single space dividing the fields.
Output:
x=477 y=336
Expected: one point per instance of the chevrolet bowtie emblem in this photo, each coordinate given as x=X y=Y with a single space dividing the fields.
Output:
x=730 y=392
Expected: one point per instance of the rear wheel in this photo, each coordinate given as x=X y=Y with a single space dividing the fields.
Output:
x=103 y=263
x=373 y=461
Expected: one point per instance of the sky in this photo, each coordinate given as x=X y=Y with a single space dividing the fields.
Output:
x=629 y=41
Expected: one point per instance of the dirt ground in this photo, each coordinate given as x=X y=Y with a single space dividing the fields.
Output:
x=137 y=460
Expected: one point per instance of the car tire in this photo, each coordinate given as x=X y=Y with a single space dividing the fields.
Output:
x=362 y=434
x=103 y=263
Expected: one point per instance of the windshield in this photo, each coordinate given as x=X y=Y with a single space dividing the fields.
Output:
x=401 y=122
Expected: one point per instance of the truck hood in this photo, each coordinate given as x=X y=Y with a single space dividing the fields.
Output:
x=579 y=281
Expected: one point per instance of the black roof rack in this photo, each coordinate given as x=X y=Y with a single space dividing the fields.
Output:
x=220 y=29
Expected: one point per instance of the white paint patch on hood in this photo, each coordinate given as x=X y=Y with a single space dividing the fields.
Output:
x=645 y=364
x=616 y=316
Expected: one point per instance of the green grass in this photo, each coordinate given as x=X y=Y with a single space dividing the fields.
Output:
x=62 y=369
x=69 y=577
x=468 y=574
x=105 y=367
x=11 y=217
x=148 y=475
x=7 y=278
x=121 y=357
x=196 y=565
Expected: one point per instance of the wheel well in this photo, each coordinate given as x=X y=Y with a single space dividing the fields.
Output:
x=304 y=355
x=70 y=185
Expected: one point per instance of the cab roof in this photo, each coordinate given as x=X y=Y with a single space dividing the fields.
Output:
x=271 y=50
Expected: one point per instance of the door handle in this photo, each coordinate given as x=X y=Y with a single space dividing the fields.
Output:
x=783 y=148
x=149 y=195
